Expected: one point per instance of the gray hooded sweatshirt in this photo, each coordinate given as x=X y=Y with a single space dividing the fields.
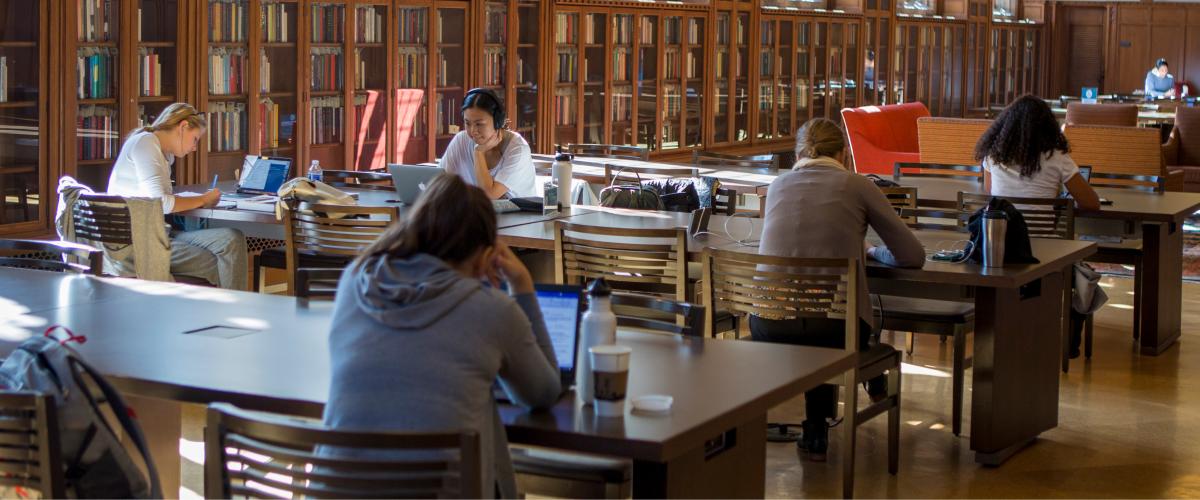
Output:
x=416 y=346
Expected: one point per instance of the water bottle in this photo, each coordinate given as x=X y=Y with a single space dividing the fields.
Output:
x=561 y=173
x=598 y=327
x=314 y=172
x=995 y=227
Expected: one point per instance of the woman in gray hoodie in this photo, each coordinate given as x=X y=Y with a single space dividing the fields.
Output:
x=418 y=339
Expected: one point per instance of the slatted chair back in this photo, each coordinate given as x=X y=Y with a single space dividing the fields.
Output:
x=658 y=315
x=29 y=443
x=763 y=164
x=317 y=283
x=60 y=256
x=901 y=197
x=938 y=170
x=781 y=288
x=949 y=141
x=314 y=231
x=724 y=201
x=640 y=260
x=1046 y=217
x=637 y=174
x=935 y=218
x=1147 y=183
x=257 y=455
x=102 y=219
x=617 y=151
x=1117 y=150
x=366 y=180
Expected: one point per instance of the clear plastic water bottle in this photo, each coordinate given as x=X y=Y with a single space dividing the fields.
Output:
x=314 y=172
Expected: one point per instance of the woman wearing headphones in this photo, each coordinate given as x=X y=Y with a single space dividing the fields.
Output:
x=486 y=154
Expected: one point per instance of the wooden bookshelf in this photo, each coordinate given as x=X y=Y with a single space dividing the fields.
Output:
x=228 y=79
x=23 y=110
x=327 y=66
x=101 y=80
x=277 y=115
x=372 y=79
x=509 y=59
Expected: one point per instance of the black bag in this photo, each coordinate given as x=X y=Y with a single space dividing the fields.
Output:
x=1017 y=249
x=881 y=182
x=677 y=195
x=634 y=196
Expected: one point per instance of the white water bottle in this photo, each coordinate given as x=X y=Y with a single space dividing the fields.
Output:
x=598 y=327
x=561 y=172
x=315 y=173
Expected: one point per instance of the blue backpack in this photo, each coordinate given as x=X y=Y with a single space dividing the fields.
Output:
x=96 y=464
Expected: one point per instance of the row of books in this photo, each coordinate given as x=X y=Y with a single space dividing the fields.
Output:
x=3 y=78
x=564 y=106
x=227 y=20
x=151 y=71
x=370 y=117
x=413 y=25
x=723 y=62
x=672 y=101
x=327 y=71
x=226 y=126
x=278 y=126
x=766 y=33
x=568 y=65
x=623 y=29
x=448 y=115
x=328 y=23
x=622 y=103
x=695 y=32
x=96 y=67
x=327 y=115
x=360 y=69
x=495 y=27
x=766 y=96
x=723 y=31
x=671 y=60
x=647 y=32
x=96 y=132
x=414 y=65
x=621 y=62
x=97 y=20
x=566 y=26
x=275 y=24
x=443 y=70
x=766 y=62
x=493 y=66
x=370 y=25
x=264 y=71
x=226 y=70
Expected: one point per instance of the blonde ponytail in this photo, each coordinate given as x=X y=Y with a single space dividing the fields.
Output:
x=175 y=114
x=819 y=137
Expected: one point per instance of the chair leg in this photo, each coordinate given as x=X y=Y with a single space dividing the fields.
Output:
x=1088 y=327
x=959 y=378
x=894 y=420
x=1137 y=298
x=849 y=428
x=1066 y=345
x=911 y=343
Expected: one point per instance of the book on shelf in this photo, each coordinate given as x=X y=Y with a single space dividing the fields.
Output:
x=369 y=118
x=493 y=65
x=226 y=70
x=448 y=115
x=413 y=67
x=95 y=20
x=328 y=23
x=327 y=73
x=3 y=78
x=565 y=26
x=275 y=23
x=96 y=132
x=621 y=63
x=496 y=26
x=691 y=66
x=623 y=29
x=412 y=25
x=264 y=71
x=97 y=68
x=723 y=29
x=568 y=64
x=227 y=20
x=443 y=74
x=564 y=106
x=766 y=59
x=671 y=30
x=673 y=101
x=151 y=71
x=672 y=60
x=227 y=126
x=326 y=114
x=695 y=32
x=277 y=127
x=520 y=70
x=647 y=32
x=722 y=62
x=369 y=25
x=589 y=30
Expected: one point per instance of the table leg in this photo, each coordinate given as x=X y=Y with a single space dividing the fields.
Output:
x=1018 y=342
x=161 y=422
x=731 y=465
x=1161 y=294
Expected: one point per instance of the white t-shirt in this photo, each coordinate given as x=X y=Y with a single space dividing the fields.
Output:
x=142 y=169
x=514 y=170
x=1057 y=168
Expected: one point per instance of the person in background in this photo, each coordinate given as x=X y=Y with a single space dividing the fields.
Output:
x=143 y=169
x=486 y=154
x=1159 y=81
x=822 y=210
x=409 y=351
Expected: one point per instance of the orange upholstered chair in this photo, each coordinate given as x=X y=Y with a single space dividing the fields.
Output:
x=880 y=136
x=1116 y=115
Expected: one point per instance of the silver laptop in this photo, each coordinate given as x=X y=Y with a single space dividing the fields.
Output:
x=411 y=180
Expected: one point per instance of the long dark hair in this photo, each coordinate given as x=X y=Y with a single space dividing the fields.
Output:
x=1022 y=135
x=451 y=220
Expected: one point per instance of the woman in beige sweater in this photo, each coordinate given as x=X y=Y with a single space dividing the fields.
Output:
x=822 y=210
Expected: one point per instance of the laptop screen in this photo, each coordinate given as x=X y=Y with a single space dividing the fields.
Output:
x=561 y=309
x=264 y=174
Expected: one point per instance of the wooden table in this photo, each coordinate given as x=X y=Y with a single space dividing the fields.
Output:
x=1161 y=217
x=591 y=169
x=712 y=443
x=1019 y=321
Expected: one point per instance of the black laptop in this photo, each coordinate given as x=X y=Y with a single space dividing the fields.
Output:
x=562 y=307
x=263 y=174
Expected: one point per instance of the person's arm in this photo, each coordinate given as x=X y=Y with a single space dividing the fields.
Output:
x=154 y=179
x=529 y=370
x=1151 y=89
x=516 y=170
x=483 y=177
x=901 y=248
x=987 y=180
x=1085 y=197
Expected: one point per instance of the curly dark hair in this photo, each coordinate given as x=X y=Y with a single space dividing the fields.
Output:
x=1022 y=135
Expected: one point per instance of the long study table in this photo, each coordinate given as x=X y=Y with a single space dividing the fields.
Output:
x=271 y=354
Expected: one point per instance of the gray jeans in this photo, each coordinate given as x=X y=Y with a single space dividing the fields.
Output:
x=217 y=255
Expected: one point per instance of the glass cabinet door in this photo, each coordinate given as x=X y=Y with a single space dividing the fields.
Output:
x=97 y=126
x=277 y=88
x=327 y=84
x=741 y=80
x=566 y=78
x=647 y=83
x=411 y=140
x=672 y=83
x=622 y=79
x=766 y=78
x=370 y=87
x=524 y=114
x=694 y=71
x=21 y=94
x=450 y=74
x=594 y=63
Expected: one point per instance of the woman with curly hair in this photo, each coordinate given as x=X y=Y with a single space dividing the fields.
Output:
x=1024 y=154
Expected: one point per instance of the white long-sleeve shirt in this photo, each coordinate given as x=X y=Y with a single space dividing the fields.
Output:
x=515 y=169
x=142 y=169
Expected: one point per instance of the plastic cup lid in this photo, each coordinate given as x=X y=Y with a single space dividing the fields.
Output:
x=652 y=403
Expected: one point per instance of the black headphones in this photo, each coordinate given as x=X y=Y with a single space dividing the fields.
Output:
x=496 y=107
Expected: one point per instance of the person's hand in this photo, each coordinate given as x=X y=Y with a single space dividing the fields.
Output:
x=491 y=143
x=506 y=266
x=1171 y=93
x=867 y=248
x=211 y=198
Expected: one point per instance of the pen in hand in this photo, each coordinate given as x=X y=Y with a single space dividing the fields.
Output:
x=214 y=184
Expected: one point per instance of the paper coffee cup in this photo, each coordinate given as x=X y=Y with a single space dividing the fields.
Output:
x=610 y=374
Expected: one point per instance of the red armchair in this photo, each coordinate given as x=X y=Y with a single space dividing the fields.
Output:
x=1182 y=150
x=880 y=136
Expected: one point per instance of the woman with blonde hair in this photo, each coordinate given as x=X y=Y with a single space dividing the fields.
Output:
x=143 y=169
x=822 y=210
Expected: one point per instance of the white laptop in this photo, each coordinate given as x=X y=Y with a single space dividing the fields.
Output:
x=411 y=180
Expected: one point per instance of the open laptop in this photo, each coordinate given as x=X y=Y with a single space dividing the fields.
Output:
x=263 y=175
x=410 y=180
x=562 y=308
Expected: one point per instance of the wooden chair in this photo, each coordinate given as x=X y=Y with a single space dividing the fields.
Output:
x=1121 y=150
x=259 y=455
x=949 y=141
x=315 y=283
x=68 y=256
x=935 y=218
x=812 y=288
x=1046 y=217
x=30 y=434
x=939 y=171
x=763 y=164
x=637 y=174
x=610 y=151
x=647 y=261
x=105 y=220
x=367 y=180
x=725 y=201
x=1146 y=183
x=658 y=315
x=902 y=198
x=313 y=239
